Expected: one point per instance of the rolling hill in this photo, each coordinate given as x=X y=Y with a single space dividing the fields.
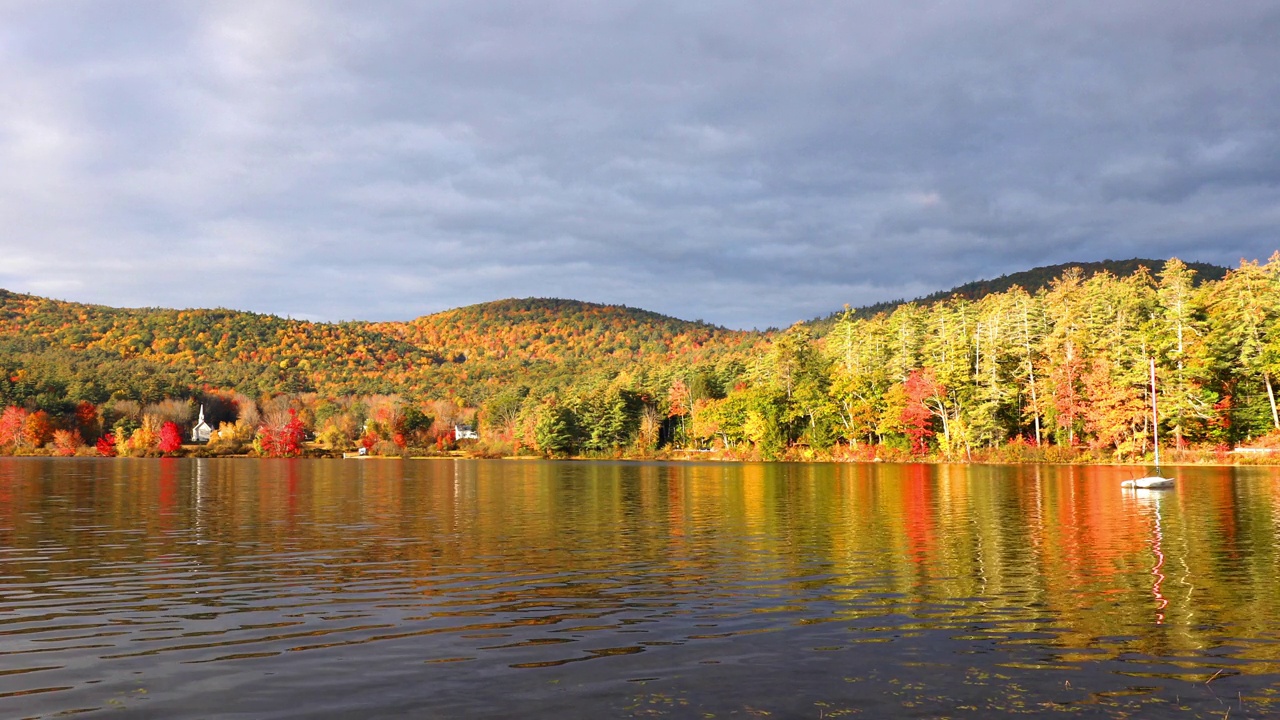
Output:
x=565 y=376
x=1032 y=281
x=467 y=351
x=96 y=352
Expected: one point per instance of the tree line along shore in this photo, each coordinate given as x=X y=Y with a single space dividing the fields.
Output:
x=1059 y=374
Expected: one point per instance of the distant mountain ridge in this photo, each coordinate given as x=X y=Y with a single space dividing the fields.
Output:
x=555 y=329
x=455 y=330
x=467 y=350
x=471 y=351
x=56 y=349
x=1034 y=280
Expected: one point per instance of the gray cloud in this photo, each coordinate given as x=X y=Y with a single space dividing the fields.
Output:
x=750 y=164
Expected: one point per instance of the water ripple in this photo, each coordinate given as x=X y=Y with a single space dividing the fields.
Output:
x=899 y=593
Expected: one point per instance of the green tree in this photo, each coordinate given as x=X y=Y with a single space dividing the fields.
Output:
x=1065 y=349
x=1245 y=310
x=1186 y=402
x=858 y=375
x=555 y=431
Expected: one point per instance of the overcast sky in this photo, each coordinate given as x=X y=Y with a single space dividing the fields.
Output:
x=746 y=163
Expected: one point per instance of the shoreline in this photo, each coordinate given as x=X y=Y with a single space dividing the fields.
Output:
x=1255 y=460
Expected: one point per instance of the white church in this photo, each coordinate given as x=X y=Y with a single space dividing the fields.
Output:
x=200 y=433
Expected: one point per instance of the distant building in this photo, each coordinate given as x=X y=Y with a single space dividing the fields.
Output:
x=200 y=433
x=465 y=432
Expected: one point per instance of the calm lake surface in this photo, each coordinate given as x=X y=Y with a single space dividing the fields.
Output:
x=484 y=589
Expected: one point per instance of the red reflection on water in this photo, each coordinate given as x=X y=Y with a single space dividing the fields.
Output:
x=918 y=505
x=1222 y=493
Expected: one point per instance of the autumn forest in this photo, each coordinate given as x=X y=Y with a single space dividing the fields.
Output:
x=1035 y=367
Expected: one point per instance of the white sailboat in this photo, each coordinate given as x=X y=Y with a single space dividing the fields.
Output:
x=1152 y=482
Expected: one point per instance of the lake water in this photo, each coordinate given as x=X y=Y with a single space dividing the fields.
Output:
x=485 y=589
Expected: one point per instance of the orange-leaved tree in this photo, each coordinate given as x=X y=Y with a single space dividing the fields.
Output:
x=66 y=442
x=37 y=431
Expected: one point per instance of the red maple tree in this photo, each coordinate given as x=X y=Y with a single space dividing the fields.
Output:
x=106 y=446
x=170 y=437
x=917 y=417
x=11 y=422
x=86 y=418
x=283 y=441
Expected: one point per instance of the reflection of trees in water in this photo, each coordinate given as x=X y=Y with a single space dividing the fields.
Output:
x=1027 y=549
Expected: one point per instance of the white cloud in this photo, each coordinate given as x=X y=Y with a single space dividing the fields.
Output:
x=749 y=164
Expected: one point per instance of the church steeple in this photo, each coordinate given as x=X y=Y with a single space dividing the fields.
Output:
x=201 y=431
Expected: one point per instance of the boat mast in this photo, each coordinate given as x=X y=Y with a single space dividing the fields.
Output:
x=1155 y=415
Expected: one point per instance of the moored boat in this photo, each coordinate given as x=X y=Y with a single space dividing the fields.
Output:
x=1152 y=482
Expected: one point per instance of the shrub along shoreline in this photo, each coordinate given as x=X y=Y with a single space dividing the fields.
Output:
x=1014 y=454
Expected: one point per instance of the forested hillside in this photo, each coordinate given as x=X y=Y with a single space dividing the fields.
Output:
x=95 y=353
x=59 y=356
x=1033 y=281
x=484 y=348
x=1054 y=373
x=190 y=349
